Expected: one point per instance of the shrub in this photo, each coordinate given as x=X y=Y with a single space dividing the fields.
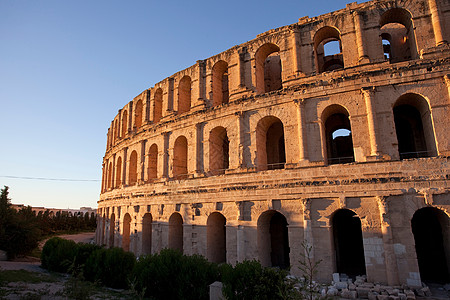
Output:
x=172 y=275
x=82 y=254
x=109 y=266
x=250 y=280
x=58 y=254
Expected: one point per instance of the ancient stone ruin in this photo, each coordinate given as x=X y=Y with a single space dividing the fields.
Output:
x=284 y=140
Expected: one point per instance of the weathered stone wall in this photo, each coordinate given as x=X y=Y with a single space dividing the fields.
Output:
x=241 y=147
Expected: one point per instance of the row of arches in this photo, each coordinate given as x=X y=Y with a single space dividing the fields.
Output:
x=429 y=226
x=413 y=125
x=398 y=44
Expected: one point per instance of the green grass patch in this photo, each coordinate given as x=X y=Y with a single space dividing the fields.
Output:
x=7 y=276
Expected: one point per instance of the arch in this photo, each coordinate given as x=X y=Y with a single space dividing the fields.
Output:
x=138 y=114
x=270 y=145
x=216 y=238
x=220 y=89
x=147 y=233
x=112 y=226
x=176 y=232
x=273 y=239
x=430 y=227
x=110 y=173
x=414 y=127
x=157 y=109
x=180 y=158
x=338 y=135
x=126 y=232
x=116 y=131
x=152 y=170
x=268 y=68
x=184 y=94
x=219 y=144
x=132 y=170
x=124 y=123
x=348 y=243
x=396 y=26
x=118 y=182
x=328 y=61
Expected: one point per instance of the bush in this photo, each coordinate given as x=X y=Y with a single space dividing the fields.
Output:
x=58 y=254
x=250 y=280
x=172 y=275
x=83 y=251
x=111 y=267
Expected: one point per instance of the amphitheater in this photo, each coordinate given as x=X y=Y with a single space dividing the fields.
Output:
x=282 y=142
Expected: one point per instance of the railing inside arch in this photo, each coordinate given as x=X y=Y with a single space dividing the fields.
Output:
x=417 y=154
x=276 y=166
x=341 y=160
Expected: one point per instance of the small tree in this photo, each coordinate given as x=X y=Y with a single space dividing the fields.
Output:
x=309 y=268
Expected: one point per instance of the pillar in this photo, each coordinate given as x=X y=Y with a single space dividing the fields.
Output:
x=295 y=37
x=303 y=151
x=371 y=119
x=388 y=243
x=358 y=22
x=436 y=22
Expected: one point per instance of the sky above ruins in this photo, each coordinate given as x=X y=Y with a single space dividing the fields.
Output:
x=67 y=67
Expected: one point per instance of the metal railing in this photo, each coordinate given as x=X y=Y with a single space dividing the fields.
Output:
x=417 y=154
x=340 y=160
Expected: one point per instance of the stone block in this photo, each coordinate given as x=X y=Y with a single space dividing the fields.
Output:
x=336 y=277
x=363 y=292
x=215 y=291
x=341 y=285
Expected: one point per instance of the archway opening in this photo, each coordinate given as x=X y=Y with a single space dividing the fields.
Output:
x=147 y=233
x=216 y=238
x=132 y=173
x=219 y=158
x=220 y=88
x=126 y=232
x=268 y=68
x=430 y=227
x=112 y=226
x=273 y=240
x=124 y=123
x=118 y=172
x=338 y=135
x=397 y=27
x=414 y=127
x=157 y=109
x=153 y=162
x=184 y=94
x=138 y=114
x=348 y=243
x=180 y=158
x=328 y=49
x=270 y=144
x=176 y=232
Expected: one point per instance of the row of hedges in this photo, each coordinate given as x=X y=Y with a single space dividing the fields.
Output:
x=166 y=275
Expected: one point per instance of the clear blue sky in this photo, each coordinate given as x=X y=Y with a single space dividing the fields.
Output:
x=67 y=67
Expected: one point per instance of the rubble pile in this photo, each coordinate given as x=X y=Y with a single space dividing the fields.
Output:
x=347 y=288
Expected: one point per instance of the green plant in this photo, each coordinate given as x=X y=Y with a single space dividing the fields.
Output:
x=58 y=254
x=172 y=275
x=309 y=268
x=111 y=267
x=250 y=280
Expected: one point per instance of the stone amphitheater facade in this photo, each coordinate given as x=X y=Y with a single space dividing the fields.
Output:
x=280 y=142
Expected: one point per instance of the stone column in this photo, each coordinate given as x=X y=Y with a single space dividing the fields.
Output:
x=388 y=243
x=113 y=175
x=165 y=160
x=143 y=177
x=201 y=65
x=371 y=119
x=447 y=83
x=436 y=22
x=240 y=163
x=358 y=22
x=307 y=223
x=103 y=178
x=199 y=148
x=241 y=67
x=303 y=151
x=124 y=171
x=295 y=37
